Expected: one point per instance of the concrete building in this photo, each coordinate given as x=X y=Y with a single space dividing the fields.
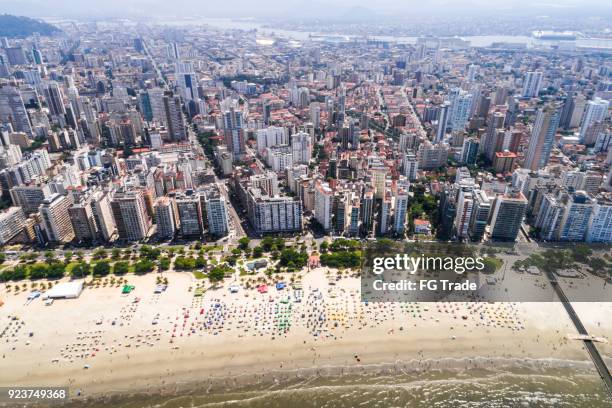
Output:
x=216 y=213
x=480 y=215
x=56 y=218
x=600 y=224
x=301 y=148
x=410 y=166
x=189 y=212
x=576 y=217
x=165 y=218
x=29 y=198
x=130 y=214
x=542 y=138
x=270 y=214
x=508 y=213
x=13 y=111
x=323 y=205
x=399 y=212
x=12 y=222
x=532 y=84
x=596 y=111
x=83 y=221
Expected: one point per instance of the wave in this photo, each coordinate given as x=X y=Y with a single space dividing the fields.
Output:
x=412 y=383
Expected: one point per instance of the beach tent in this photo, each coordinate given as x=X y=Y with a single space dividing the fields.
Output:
x=280 y=286
x=262 y=288
x=127 y=289
x=65 y=290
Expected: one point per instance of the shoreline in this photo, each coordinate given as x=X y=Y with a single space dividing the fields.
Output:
x=252 y=382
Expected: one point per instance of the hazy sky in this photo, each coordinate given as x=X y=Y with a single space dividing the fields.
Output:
x=289 y=8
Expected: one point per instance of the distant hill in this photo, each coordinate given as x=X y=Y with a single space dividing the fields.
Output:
x=20 y=27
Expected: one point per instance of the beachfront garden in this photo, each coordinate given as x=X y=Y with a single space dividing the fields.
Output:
x=103 y=263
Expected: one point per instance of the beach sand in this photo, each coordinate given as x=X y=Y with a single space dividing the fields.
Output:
x=216 y=336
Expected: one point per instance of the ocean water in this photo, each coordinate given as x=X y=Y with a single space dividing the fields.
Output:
x=391 y=386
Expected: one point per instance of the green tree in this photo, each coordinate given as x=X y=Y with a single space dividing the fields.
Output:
x=102 y=268
x=38 y=271
x=216 y=274
x=143 y=266
x=81 y=269
x=121 y=267
x=18 y=273
x=267 y=244
x=200 y=262
x=257 y=252
x=49 y=256
x=149 y=252
x=99 y=254
x=115 y=254
x=164 y=263
x=292 y=259
x=243 y=243
x=182 y=263
x=56 y=270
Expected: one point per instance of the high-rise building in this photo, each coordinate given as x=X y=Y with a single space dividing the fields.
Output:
x=56 y=218
x=508 y=213
x=269 y=214
x=165 y=218
x=130 y=214
x=103 y=214
x=29 y=198
x=401 y=206
x=15 y=56
x=461 y=105
x=410 y=165
x=532 y=84
x=480 y=215
x=469 y=151
x=379 y=179
x=13 y=111
x=12 y=222
x=504 y=162
x=54 y=97
x=600 y=224
x=83 y=220
x=576 y=217
x=187 y=81
x=432 y=156
x=596 y=111
x=494 y=136
x=216 y=213
x=232 y=127
x=384 y=214
x=301 y=148
x=367 y=212
x=323 y=205
x=279 y=158
x=443 y=120
x=270 y=137
x=174 y=120
x=465 y=207
x=542 y=138
x=189 y=213
x=549 y=216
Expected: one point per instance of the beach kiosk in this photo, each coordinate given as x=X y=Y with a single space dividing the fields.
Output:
x=65 y=290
